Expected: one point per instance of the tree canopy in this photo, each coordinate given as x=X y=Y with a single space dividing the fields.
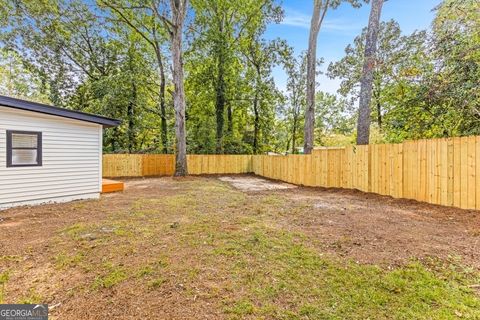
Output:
x=115 y=58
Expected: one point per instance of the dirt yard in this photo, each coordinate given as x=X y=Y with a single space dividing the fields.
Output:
x=242 y=248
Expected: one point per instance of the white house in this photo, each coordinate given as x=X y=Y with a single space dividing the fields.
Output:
x=48 y=154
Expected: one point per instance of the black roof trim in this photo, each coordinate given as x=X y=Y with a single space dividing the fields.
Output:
x=55 y=111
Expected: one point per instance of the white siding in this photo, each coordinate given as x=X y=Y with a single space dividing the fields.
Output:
x=71 y=155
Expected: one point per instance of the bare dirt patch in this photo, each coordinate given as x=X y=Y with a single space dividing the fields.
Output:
x=371 y=228
x=253 y=183
x=198 y=248
x=377 y=229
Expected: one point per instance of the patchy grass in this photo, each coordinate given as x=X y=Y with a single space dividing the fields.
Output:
x=153 y=272
x=201 y=249
x=156 y=283
x=63 y=260
x=280 y=276
x=32 y=297
x=112 y=276
x=10 y=258
x=75 y=230
x=4 y=276
x=321 y=288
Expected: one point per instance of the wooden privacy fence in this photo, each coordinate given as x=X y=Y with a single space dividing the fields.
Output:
x=439 y=171
x=144 y=165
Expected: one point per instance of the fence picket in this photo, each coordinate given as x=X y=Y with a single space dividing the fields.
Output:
x=440 y=171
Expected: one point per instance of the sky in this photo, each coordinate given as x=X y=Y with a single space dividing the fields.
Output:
x=339 y=29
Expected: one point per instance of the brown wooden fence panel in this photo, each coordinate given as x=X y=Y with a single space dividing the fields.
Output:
x=219 y=164
x=158 y=165
x=122 y=165
x=138 y=165
x=439 y=171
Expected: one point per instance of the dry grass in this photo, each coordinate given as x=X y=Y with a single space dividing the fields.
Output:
x=197 y=248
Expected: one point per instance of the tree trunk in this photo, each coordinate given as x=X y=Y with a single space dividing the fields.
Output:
x=294 y=134
x=229 y=118
x=256 y=125
x=366 y=82
x=178 y=15
x=377 y=92
x=319 y=10
x=379 y=113
x=220 y=88
x=114 y=139
x=220 y=102
x=131 y=107
x=131 y=125
x=163 y=109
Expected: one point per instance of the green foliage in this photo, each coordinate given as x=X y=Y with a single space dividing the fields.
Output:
x=292 y=112
x=425 y=84
x=396 y=57
x=17 y=81
x=4 y=276
x=111 y=58
x=438 y=96
x=333 y=117
x=88 y=62
x=231 y=95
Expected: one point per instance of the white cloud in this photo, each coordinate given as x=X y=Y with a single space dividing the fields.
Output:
x=298 y=19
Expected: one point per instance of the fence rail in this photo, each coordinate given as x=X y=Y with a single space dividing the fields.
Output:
x=438 y=171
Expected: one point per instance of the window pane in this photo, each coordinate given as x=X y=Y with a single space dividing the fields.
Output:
x=20 y=156
x=21 y=140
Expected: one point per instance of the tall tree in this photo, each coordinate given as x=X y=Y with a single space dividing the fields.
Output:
x=175 y=23
x=437 y=94
x=140 y=18
x=83 y=63
x=320 y=8
x=394 y=53
x=63 y=41
x=220 y=29
x=261 y=57
x=366 y=82
x=172 y=15
x=296 y=69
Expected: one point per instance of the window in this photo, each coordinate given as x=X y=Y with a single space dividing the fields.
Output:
x=24 y=149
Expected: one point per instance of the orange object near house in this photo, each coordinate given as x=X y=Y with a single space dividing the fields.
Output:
x=111 y=186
